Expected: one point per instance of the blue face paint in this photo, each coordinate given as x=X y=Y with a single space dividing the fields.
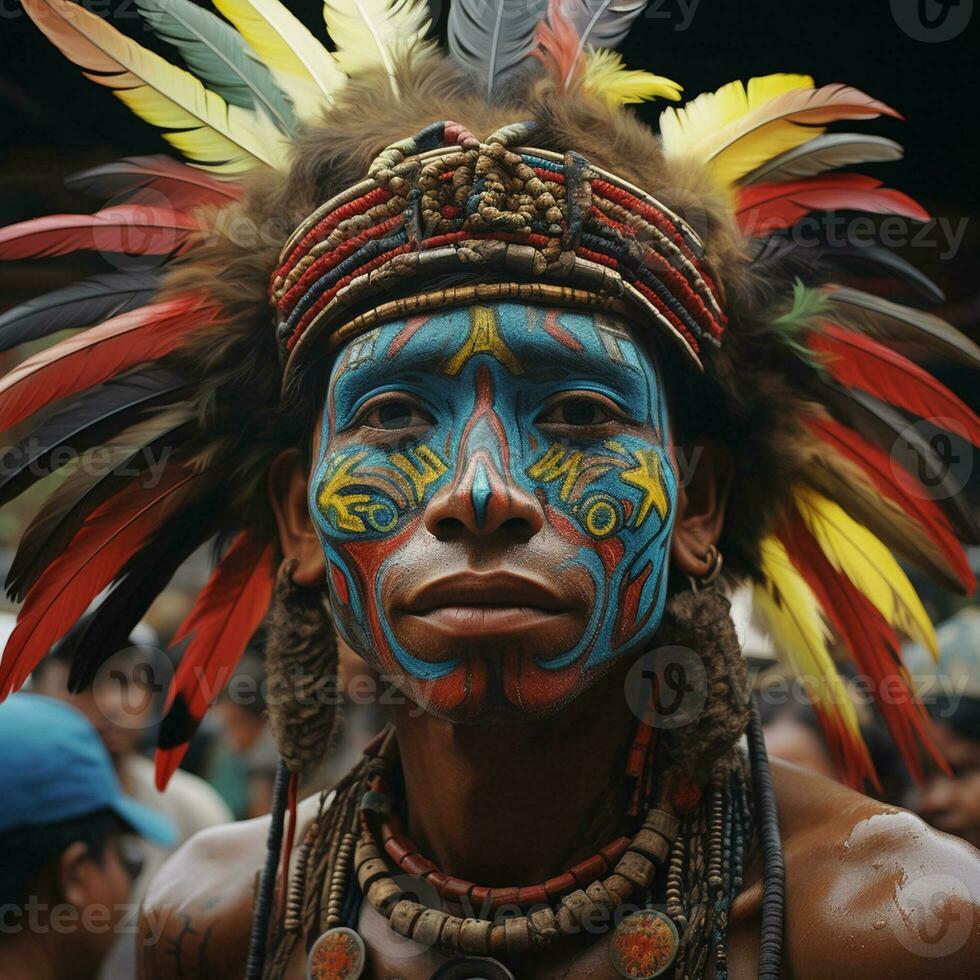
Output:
x=501 y=443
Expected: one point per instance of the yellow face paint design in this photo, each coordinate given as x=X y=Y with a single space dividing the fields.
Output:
x=484 y=338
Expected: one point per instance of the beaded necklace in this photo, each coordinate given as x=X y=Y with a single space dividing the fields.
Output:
x=665 y=892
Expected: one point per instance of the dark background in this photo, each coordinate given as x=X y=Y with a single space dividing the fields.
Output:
x=55 y=122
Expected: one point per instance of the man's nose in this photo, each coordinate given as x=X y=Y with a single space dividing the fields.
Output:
x=483 y=497
x=483 y=502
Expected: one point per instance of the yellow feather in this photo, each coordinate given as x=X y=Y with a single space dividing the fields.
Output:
x=218 y=137
x=730 y=129
x=302 y=66
x=369 y=33
x=799 y=631
x=606 y=77
x=855 y=552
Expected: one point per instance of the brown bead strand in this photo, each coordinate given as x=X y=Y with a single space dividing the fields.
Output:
x=633 y=872
x=297 y=885
x=715 y=839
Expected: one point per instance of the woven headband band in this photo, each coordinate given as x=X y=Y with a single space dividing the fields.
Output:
x=524 y=223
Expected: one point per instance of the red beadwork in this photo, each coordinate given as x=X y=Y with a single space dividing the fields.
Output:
x=532 y=895
x=399 y=848
x=404 y=853
x=456 y=888
x=605 y=260
x=549 y=175
x=415 y=864
x=560 y=886
x=323 y=300
x=323 y=228
x=437 y=879
x=684 y=284
x=324 y=263
x=670 y=315
x=613 y=851
x=585 y=872
x=503 y=896
x=481 y=898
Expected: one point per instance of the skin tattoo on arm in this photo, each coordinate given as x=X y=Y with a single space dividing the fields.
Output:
x=522 y=425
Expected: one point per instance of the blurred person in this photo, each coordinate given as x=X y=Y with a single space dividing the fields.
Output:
x=793 y=733
x=244 y=756
x=950 y=801
x=122 y=705
x=67 y=864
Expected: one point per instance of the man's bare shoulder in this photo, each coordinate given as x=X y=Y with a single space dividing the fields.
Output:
x=871 y=889
x=197 y=914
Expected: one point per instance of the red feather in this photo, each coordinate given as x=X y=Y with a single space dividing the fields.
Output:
x=154 y=180
x=136 y=229
x=860 y=362
x=768 y=207
x=559 y=48
x=95 y=355
x=850 y=754
x=872 y=643
x=223 y=620
x=113 y=533
x=900 y=487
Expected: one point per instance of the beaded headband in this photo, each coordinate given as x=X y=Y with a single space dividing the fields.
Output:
x=525 y=223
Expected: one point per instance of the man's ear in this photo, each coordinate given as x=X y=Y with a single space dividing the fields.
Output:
x=297 y=534
x=74 y=872
x=705 y=479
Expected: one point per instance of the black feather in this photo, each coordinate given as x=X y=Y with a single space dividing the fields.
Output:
x=158 y=179
x=812 y=261
x=82 y=304
x=178 y=726
x=878 y=259
x=64 y=512
x=99 y=414
x=106 y=630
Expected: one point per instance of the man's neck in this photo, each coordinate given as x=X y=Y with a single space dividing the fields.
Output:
x=517 y=803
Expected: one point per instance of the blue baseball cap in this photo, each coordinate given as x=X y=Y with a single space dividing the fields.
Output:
x=56 y=768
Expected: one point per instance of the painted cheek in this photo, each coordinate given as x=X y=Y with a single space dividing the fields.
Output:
x=366 y=503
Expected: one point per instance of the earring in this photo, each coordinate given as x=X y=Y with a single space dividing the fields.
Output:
x=301 y=669
x=715 y=561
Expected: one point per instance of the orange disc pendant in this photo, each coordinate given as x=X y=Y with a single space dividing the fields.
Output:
x=337 y=955
x=644 y=945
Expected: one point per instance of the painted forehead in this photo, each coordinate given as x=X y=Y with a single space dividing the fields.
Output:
x=537 y=344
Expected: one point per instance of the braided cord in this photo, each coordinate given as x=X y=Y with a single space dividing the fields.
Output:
x=263 y=900
x=773 y=864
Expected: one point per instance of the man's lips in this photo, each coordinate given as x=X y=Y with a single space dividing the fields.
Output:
x=487 y=604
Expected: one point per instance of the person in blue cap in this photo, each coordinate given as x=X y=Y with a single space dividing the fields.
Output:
x=65 y=826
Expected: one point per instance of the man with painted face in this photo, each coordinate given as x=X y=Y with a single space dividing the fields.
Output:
x=494 y=494
x=533 y=379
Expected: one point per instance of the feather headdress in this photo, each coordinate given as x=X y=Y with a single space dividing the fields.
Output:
x=800 y=377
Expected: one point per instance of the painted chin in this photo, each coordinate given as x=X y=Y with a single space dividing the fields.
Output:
x=499 y=656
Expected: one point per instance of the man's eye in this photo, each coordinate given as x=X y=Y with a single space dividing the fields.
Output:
x=576 y=411
x=396 y=413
